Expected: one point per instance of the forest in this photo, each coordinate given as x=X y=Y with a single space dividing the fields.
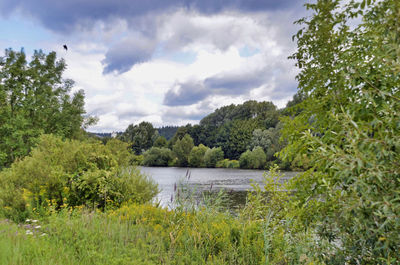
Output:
x=68 y=197
x=245 y=135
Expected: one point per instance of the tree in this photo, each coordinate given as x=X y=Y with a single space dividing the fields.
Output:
x=35 y=99
x=268 y=140
x=182 y=149
x=161 y=141
x=212 y=156
x=141 y=136
x=158 y=156
x=348 y=128
x=254 y=159
x=196 y=156
x=240 y=134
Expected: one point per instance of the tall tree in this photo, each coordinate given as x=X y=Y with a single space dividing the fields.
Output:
x=349 y=127
x=141 y=136
x=35 y=99
x=182 y=149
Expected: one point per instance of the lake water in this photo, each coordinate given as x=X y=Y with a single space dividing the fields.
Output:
x=235 y=181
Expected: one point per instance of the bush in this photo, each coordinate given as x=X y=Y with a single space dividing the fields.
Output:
x=196 y=156
x=212 y=156
x=226 y=163
x=182 y=149
x=59 y=174
x=255 y=159
x=156 y=156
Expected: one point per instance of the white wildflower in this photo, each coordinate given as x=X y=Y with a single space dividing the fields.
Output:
x=28 y=232
x=37 y=227
x=34 y=221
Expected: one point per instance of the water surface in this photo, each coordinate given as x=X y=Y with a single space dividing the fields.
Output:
x=235 y=181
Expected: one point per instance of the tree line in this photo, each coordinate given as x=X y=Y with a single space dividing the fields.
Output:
x=245 y=135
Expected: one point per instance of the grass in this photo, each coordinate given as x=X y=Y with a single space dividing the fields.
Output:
x=135 y=234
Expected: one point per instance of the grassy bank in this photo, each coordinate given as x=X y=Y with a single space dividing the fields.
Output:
x=144 y=234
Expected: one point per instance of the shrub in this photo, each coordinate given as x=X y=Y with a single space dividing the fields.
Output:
x=226 y=163
x=255 y=159
x=196 y=156
x=212 y=156
x=156 y=156
x=182 y=149
x=71 y=173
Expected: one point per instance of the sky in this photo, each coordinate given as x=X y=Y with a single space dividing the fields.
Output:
x=168 y=62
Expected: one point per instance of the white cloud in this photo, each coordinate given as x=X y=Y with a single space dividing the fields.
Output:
x=139 y=93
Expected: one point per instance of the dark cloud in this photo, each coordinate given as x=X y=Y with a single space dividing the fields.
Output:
x=122 y=56
x=222 y=84
x=65 y=16
x=234 y=84
x=185 y=94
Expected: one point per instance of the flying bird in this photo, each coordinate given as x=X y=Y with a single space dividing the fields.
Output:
x=65 y=47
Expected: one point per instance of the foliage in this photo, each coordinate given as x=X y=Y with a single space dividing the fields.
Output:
x=136 y=234
x=349 y=128
x=167 y=131
x=268 y=140
x=182 y=149
x=254 y=159
x=196 y=156
x=141 y=136
x=161 y=141
x=71 y=173
x=212 y=156
x=35 y=99
x=226 y=163
x=156 y=156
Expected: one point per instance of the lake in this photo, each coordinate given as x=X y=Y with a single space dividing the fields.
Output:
x=235 y=181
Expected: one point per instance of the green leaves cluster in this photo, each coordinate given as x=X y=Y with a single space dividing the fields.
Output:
x=35 y=99
x=141 y=136
x=254 y=159
x=72 y=173
x=349 y=129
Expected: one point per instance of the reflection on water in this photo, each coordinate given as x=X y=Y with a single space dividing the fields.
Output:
x=236 y=182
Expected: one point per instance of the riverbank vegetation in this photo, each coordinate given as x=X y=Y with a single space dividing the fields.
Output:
x=231 y=133
x=66 y=198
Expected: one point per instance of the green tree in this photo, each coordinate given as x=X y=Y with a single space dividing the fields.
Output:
x=196 y=156
x=161 y=141
x=254 y=159
x=141 y=136
x=35 y=99
x=268 y=140
x=67 y=173
x=349 y=128
x=212 y=156
x=158 y=156
x=182 y=149
x=240 y=135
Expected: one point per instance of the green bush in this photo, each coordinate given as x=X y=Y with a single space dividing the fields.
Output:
x=70 y=173
x=212 y=156
x=226 y=163
x=255 y=159
x=196 y=156
x=182 y=149
x=157 y=156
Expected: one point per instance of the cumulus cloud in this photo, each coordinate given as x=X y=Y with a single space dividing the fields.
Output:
x=185 y=94
x=128 y=52
x=131 y=57
x=66 y=16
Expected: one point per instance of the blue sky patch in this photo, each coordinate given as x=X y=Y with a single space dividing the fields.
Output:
x=247 y=51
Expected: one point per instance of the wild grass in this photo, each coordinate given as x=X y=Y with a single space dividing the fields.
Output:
x=206 y=233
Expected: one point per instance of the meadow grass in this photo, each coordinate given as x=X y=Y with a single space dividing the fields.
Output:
x=134 y=234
